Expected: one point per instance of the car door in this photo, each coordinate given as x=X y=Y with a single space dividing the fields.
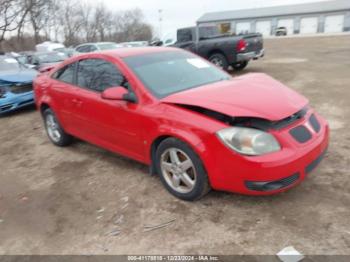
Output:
x=112 y=124
x=62 y=93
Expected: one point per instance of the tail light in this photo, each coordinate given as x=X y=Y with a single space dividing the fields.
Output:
x=241 y=45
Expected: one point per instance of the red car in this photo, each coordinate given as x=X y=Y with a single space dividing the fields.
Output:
x=193 y=124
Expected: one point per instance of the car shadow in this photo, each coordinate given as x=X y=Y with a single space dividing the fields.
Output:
x=211 y=199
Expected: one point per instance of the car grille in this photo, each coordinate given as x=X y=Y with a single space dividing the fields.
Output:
x=314 y=123
x=272 y=185
x=300 y=134
x=19 y=89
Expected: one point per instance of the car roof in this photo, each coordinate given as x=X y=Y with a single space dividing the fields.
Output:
x=95 y=43
x=46 y=53
x=135 y=51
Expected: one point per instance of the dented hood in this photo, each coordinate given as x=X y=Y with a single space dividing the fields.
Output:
x=252 y=95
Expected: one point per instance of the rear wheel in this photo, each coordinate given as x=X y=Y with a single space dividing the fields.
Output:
x=181 y=170
x=54 y=130
x=219 y=60
x=240 y=66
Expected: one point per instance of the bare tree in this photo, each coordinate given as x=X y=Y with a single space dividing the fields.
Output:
x=10 y=11
x=131 y=26
x=73 y=21
x=39 y=15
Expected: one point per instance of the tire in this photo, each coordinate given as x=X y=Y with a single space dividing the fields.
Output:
x=54 y=130
x=219 y=60
x=176 y=178
x=240 y=66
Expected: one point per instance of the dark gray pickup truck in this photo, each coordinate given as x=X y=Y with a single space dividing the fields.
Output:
x=221 y=49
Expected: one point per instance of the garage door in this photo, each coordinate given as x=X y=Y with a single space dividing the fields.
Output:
x=308 y=25
x=287 y=23
x=334 y=24
x=242 y=28
x=263 y=27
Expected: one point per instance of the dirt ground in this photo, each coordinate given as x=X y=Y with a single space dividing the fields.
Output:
x=85 y=200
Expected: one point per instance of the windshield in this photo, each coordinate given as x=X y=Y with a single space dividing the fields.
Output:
x=108 y=46
x=51 y=57
x=8 y=63
x=170 y=72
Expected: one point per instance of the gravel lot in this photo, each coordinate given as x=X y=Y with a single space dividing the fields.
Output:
x=85 y=200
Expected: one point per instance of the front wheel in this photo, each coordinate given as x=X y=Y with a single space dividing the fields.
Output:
x=54 y=130
x=219 y=60
x=240 y=66
x=181 y=170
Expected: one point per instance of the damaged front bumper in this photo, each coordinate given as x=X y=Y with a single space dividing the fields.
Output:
x=270 y=173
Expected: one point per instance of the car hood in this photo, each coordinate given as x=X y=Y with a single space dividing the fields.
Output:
x=252 y=95
x=18 y=76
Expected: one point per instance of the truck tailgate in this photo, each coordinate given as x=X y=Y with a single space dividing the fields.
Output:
x=254 y=43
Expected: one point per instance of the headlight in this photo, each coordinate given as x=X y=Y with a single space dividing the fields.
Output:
x=249 y=141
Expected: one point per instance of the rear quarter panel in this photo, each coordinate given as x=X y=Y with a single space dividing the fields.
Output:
x=255 y=42
x=225 y=45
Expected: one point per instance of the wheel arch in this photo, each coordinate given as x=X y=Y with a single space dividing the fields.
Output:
x=194 y=141
x=43 y=107
x=216 y=51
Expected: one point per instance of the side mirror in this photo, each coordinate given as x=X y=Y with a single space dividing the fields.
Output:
x=118 y=93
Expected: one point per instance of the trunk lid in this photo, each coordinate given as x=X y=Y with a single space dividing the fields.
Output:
x=254 y=43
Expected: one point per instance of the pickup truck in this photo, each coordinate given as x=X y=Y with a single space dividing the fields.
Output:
x=223 y=50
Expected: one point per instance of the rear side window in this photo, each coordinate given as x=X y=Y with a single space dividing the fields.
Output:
x=184 y=35
x=84 y=49
x=65 y=74
x=93 y=48
x=98 y=75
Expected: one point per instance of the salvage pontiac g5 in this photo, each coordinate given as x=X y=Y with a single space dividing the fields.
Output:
x=192 y=123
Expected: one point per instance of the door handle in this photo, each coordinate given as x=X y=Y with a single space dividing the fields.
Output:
x=77 y=102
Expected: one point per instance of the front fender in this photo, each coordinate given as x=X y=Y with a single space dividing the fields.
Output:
x=193 y=139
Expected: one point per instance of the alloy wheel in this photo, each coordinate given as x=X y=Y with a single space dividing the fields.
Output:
x=53 y=128
x=178 y=170
x=218 y=62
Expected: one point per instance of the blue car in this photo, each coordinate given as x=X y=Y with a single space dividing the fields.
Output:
x=16 y=90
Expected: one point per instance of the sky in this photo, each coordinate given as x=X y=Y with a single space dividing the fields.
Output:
x=183 y=13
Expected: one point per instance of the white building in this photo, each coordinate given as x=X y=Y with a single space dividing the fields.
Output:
x=310 y=18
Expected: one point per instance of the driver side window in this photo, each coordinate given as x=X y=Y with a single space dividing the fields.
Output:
x=98 y=75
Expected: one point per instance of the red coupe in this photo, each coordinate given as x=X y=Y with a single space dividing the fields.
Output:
x=193 y=124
